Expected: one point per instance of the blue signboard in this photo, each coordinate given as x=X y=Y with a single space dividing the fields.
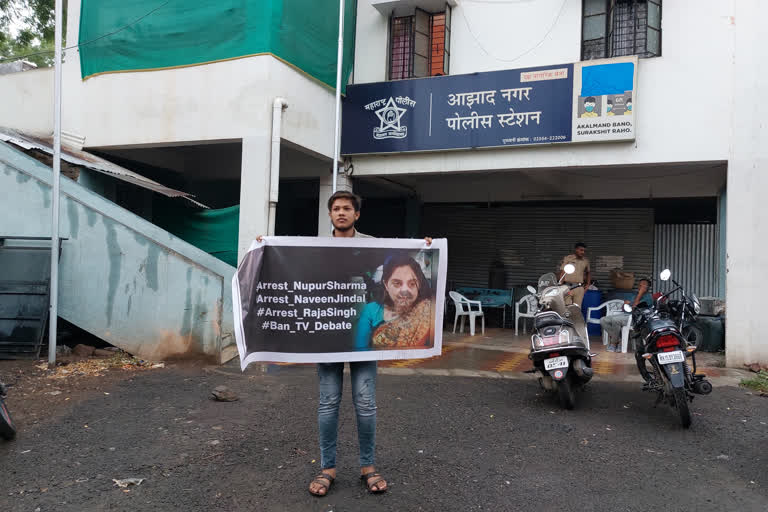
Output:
x=498 y=108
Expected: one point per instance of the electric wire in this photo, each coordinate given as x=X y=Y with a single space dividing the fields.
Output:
x=546 y=35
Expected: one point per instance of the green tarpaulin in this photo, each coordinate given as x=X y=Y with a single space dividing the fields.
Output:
x=136 y=35
x=213 y=231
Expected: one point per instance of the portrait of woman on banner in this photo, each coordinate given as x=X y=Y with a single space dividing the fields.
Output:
x=403 y=317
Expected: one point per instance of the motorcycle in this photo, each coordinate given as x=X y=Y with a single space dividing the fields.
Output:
x=662 y=345
x=559 y=344
x=7 y=428
x=683 y=312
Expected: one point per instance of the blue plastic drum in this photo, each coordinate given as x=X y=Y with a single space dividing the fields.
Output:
x=592 y=299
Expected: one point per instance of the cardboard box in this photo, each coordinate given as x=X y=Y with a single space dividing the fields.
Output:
x=622 y=280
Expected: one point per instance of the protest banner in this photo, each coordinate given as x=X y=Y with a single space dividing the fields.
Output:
x=311 y=300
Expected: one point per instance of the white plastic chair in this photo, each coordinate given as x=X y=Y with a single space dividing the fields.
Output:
x=625 y=334
x=532 y=302
x=612 y=307
x=461 y=302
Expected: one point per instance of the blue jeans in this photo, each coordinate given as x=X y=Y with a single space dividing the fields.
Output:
x=331 y=378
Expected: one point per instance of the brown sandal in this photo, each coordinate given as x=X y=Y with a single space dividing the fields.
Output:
x=370 y=486
x=319 y=481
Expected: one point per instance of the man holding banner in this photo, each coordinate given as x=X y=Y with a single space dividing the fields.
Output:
x=344 y=210
x=360 y=300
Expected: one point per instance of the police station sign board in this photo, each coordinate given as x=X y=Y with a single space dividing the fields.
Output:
x=582 y=102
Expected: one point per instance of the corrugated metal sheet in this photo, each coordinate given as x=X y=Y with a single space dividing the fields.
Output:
x=85 y=159
x=532 y=240
x=691 y=252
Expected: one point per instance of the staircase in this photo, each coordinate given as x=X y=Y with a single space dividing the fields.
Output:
x=121 y=278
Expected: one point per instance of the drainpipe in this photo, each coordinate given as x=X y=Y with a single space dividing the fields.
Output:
x=274 y=168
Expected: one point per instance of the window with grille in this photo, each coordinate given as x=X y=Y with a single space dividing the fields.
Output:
x=419 y=45
x=614 y=28
x=401 y=49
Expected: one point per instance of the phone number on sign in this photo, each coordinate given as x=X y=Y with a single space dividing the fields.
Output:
x=551 y=138
x=522 y=140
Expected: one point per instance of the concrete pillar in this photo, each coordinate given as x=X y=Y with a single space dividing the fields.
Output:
x=326 y=191
x=722 y=218
x=254 y=191
x=747 y=218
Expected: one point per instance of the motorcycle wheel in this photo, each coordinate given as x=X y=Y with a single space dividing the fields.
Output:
x=681 y=404
x=693 y=335
x=565 y=392
x=7 y=429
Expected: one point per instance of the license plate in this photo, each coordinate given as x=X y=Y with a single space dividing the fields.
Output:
x=556 y=362
x=671 y=357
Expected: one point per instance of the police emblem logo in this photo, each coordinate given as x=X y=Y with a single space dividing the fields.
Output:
x=389 y=127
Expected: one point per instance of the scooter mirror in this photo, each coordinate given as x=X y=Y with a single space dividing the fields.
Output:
x=627 y=308
x=532 y=289
x=569 y=269
x=665 y=274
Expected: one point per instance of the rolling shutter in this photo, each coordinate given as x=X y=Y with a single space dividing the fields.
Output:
x=531 y=241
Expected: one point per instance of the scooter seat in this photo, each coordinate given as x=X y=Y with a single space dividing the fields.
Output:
x=550 y=320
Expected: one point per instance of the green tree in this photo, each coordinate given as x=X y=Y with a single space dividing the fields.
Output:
x=27 y=27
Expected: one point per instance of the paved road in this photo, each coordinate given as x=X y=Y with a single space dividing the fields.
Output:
x=445 y=443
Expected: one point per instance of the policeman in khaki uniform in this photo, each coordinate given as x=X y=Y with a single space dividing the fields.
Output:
x=581 y=275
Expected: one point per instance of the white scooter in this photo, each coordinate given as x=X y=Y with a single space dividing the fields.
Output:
x=560 y=343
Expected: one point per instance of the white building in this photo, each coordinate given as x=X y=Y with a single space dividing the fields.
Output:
x=695 y=141
x=683 y=192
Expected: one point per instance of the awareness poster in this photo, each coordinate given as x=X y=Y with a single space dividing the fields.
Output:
x=324 y=299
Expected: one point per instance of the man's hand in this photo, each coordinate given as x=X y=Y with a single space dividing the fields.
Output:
x=260 y=238
x=642 y=288
x=428 y=240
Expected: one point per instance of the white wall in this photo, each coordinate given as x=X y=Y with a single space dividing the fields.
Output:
x=254 y=190
x=484 y=37
x=488 y=37
x=371 y=35
x=27 y=101
x=225 y=100
x=747 y=223
x=681 y=104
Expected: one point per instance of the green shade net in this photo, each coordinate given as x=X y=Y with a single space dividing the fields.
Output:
x=213 y=231
x=135 y=35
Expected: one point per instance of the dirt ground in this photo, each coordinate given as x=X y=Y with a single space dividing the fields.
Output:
x=444 y=443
